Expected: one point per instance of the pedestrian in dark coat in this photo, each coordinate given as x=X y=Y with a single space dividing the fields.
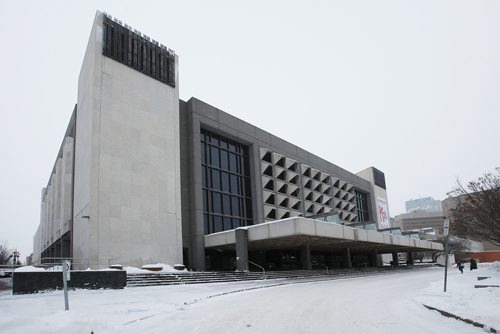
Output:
x=473 y=264
x=460 y=266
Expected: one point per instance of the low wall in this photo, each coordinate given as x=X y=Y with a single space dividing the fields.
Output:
x=491 y=256
x=31 y=282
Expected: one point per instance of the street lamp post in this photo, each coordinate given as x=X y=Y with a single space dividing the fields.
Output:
x=446 y=227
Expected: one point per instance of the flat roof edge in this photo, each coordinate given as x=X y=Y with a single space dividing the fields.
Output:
x=299 y=226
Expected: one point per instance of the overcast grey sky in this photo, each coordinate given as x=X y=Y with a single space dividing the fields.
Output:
x=410 y=87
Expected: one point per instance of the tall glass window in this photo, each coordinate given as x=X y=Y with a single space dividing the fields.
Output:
x=361 y=206
x=227 y=201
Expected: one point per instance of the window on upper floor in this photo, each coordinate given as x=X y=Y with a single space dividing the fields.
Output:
x=361 y=206
x=227 y=201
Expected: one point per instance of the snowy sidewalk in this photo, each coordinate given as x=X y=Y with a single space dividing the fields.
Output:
x=463 y=299
x=378 y=304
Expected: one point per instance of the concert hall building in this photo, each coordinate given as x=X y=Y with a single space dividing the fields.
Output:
x=143 y=177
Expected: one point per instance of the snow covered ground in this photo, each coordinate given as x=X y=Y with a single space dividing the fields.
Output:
x=392 y=303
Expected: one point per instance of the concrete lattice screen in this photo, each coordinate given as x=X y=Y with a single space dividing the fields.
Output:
x=280 y=184
x=291 y=189
x=344 y=200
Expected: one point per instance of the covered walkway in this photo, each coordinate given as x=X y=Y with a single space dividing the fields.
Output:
x=308 y=236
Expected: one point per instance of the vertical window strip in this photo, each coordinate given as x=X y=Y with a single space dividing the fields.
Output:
x=235 y=208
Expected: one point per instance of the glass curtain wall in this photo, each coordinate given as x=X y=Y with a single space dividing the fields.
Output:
x=361 y=207
x=225 y=173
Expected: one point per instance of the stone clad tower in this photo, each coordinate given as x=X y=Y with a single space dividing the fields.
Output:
x=127 y=205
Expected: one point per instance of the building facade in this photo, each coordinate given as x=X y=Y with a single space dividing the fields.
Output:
x=144 y=177
x=424 y=204
x=427 y=224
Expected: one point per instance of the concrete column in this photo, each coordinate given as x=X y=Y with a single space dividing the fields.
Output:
x=373 y=259
x=46 y=225
x=66 y=246
x=49 y=216
x=59 y=186
x=241 y=236
x=409 y=258
x=197 y=251
x=196 y=206
x=58 y=248
x=329 y=259
x=395 y=261
x=305 y=257
x=348 y=258
x=68 y=184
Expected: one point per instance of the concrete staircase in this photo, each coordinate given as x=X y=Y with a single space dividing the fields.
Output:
x=154 y=279
x=185 y=277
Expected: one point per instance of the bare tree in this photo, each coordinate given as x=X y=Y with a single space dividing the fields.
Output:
x=455 y=245
x=5 y=255
x=477 y=213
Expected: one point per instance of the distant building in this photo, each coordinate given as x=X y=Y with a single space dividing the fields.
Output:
x=424 y=204
x=29 y=259
x=423 y=215
x=428 y=224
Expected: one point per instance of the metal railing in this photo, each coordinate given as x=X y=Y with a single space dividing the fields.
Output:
x=54 y=263
x=263 y=270
x=9 y=266
x=319 y=264
x=6 y=270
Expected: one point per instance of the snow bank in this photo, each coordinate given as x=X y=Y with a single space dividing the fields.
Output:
x=134 y=270
x=166 y=268
x=491 y=265
x=28 y=269
x=463 y=298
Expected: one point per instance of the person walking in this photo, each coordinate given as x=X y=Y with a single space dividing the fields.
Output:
x=473 y=264
x=460 y=266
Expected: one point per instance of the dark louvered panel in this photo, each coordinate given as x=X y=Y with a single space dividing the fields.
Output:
x=138 y=52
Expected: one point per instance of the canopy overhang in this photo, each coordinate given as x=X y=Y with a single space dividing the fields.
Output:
x=319 y=235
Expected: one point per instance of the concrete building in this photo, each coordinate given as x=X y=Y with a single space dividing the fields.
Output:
x=424 y=216
x=143 y=177
x=428 y=224
x=423 y=204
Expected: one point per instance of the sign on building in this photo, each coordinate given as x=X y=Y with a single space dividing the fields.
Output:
x=384 y=220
